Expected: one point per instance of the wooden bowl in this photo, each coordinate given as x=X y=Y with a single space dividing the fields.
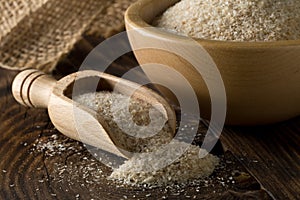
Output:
x=261 y=79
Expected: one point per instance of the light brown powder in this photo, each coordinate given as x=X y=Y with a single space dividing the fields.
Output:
x=234 y=20
x=140 y=169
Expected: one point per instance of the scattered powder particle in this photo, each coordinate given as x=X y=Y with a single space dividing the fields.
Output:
x=234 y=20
x=52 y=146
x=142 y=168
x=148 y=195
x=87 y=170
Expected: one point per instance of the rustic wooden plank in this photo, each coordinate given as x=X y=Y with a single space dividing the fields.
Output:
x=271 y=154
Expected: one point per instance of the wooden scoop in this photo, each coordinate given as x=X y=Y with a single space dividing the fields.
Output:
x=33 y=88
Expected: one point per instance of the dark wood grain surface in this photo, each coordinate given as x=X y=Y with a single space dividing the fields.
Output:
x=37 y=162
x=271 y=154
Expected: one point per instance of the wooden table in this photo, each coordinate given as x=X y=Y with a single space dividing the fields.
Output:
x=37 y=162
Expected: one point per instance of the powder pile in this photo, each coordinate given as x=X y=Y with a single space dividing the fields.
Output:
x=234 y=20
x=142 y=168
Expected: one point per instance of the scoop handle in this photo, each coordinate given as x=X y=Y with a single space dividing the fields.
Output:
x=33 y=88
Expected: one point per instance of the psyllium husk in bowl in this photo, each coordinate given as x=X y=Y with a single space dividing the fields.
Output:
x=234 y=20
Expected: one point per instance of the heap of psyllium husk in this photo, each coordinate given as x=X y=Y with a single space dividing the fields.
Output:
x=158 y=159
x=140 y=169
x=234 y=20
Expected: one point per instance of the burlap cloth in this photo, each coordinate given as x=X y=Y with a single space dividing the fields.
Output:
x=37 y=33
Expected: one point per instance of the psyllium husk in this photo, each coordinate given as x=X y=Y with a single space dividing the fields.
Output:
x=234 y=20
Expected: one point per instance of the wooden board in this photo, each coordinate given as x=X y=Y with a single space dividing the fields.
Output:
x=37 y=162
x=271 y=154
